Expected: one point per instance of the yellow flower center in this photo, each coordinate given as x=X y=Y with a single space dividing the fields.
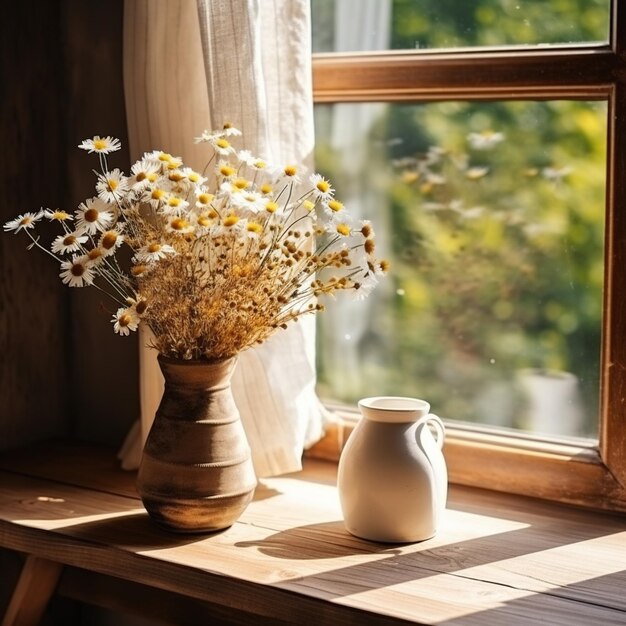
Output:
x=108 y=240
x=124 y=319
x=322 y=186
x=60 y=215
x=260 y=164
x=99 y=144
x=164 y=156
x=91 y=215
x=154 y=247
x=343 y=229
x=230 y=220
x=212 y=214
x=137 y=270
x=25 y=221
x=194 y=177
x=266 y=188
x=335 y=205
x=94 y=254
x=308 y=205
x=254 y=227
x=227 y=170
x=179 y=223
x=174 y=201
x=153 y=177
x=222 y=143
x=69 y=240
x=176 y=176
x=203 y=220
x=241 y=183
x=369 y=246
x=205 y=198
x=291 y=170
x=112 y=184
x=157 y=194
x=141 y=176
x=271 y=207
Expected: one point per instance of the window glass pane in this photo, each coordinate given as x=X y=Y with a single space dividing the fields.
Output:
x=492 y=217
x=358 y=25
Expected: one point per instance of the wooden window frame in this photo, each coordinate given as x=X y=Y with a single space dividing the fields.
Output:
x=593 y=476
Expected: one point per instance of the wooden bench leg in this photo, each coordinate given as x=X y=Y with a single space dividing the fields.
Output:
x=34 y=589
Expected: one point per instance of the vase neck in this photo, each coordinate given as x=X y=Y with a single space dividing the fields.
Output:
x=197 y=374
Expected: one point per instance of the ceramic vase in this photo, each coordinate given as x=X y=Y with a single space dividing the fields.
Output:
x=392 y=477
x=196 y=472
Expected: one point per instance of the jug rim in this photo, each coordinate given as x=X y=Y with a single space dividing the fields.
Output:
x=393 y=408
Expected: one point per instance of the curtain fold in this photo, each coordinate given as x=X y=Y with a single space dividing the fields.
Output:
x=191 y=65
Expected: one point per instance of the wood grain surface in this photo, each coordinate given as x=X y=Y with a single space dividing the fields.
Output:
x=497 y=559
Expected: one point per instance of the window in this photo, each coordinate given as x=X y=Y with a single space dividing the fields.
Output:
x=494 y=177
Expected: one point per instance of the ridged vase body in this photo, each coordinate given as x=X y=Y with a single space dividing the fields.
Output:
x=196 y=473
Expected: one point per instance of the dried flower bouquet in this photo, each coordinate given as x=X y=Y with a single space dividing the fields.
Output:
x=220 y=259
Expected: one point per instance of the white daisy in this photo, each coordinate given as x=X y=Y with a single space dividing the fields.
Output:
x=225 y=169
x=27 y=220
x=57 y=215
x=192 y=176
x=364 y=285
x=111 y=186
x=93 y=215
x=231 y=225
x=69 y=242
x=207 y=135
x=173 y=163
x=141 y=172
x=232 y=187
x=175 y=206
x=230 y=131
x=321 y=187
x=125 y=320
x=290 y=173
x=157 y=196
x=253 y=230
x=484 y=140
x=203 y=198
x=333 y=210
x=249 y=201
x=153 y=252
x=179 y=225
x=476 y=172
x=111 y=240
x=95 y=256
x=102 y=145
x=221 y=145
x=204 y=222
x=76 y=273
x=245 y=156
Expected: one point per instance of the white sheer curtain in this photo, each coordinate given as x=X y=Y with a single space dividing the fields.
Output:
x=191 y=65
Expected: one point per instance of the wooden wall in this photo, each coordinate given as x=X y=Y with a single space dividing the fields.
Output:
x=63 y=373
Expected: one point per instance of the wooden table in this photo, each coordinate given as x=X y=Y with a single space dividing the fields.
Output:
x=497 y=560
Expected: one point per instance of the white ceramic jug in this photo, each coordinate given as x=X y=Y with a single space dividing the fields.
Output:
x=393 y=481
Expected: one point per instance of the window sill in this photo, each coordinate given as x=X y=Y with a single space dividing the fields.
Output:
x=497 y=559
x=571 y=473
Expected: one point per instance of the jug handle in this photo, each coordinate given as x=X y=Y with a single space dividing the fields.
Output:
x=440 y=429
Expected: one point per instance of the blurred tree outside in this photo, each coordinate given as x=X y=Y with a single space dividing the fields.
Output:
x=492 y=214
